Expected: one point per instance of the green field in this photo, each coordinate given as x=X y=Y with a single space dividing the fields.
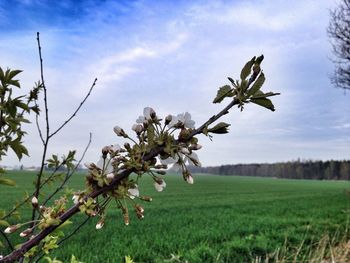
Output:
x=218 y=219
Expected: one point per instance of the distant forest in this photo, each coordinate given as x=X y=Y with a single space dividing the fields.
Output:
x=320 y=170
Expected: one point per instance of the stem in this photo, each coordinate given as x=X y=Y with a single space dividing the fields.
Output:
x=17 y=254
x=7 y=240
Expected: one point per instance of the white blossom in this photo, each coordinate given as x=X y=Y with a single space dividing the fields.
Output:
x=148 y=112
x=138 y=128
x=189 y=179
x=134 y=192
x=115 y=147
x=105 y=165
x=75 y=199
x=183 y=119
x=110 y=176
x=35 y=201
x=159 y=186
x=100 y=224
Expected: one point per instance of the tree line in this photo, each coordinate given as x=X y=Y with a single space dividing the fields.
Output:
x=319 y=170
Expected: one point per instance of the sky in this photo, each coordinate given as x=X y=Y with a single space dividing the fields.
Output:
x=173 y=56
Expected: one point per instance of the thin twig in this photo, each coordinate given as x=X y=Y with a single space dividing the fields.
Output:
x=46 y=141
x=76 y=111
x=69 y=174
x=38 y=126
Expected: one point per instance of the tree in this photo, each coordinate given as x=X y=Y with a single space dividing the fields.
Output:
x=339 y=32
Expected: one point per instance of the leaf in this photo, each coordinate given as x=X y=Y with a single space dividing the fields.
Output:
x=257 y=85
x=18 y=148
x=7 y=181
x=4 y=223
x=13 y=73
x=264 y=95
x=128 y=259
x=223 y=92
x=264 y=103
x=220 y=128
x=247 y=69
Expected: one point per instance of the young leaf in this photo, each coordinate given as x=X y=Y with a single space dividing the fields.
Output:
x=220 y=128
x=247 y=69
x=264 y=95
x=223 y=92
x=257 y=85
x=264 y=103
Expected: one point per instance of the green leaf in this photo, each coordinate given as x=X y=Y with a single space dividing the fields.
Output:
x=219 y=128
x=247 y=69
x=264 y=103
x=13 y=73
x=18 y=148
x=264 y=95
x=223 y=92
x=257 y=85
x=7 y=181
x=4 y=223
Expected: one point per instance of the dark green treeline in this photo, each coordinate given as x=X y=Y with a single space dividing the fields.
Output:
x=320 y=170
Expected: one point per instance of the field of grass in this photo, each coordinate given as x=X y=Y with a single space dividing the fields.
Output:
x=218 y=219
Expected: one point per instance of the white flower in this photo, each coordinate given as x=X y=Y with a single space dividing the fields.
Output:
x=183 y=119
x=160 y=185
x=75 y=199
x=1 y=257
x=148 y=114
x=134 y=192
x=110 y=176
x=189 y=179
x=115 y=147
x=169 y=160
x=105 y=165
x=138 y=128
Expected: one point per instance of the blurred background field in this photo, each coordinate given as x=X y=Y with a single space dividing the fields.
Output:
x=218 y=219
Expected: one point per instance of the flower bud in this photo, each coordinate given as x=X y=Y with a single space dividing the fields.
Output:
x=127 y=146
x=105 y=151
x=110 y=176
x=100 y=224
x=195 y=147
x=189 y=179
x=26 y=232
x=126 y=217
x=168 y=119
x=152 y=113
x=138 y=128
x=35 y=202
x=139 y=208
x=185 y=151
x=146 y=198
x=12 y=229
x=90 y=166
x=119 y=131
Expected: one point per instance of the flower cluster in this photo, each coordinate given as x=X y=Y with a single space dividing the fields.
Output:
x=150 y=132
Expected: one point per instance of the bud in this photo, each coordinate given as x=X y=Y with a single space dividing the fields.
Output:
x=139 y=208
x=26 y=232
x=152 y=113
x=119 y=131
x=195 y=147
x=146 y=198
x=90 y=166
x=100 y=224
x=189 y=179
x=161 y=166
x=168 y=119
x=126 y=217
x=12 y=229
x=160 y=172
x=159 y=184
x=35 y=202
x=105 y=151
x=139 y=215
x=185 y=151
x=138 y=128
x=127 y=146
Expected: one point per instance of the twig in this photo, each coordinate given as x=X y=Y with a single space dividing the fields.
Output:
x=46 y=141
x=38 y=126
x=69 y=174
x=76 y=111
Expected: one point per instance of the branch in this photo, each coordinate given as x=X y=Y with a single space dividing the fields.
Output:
x=76 y=111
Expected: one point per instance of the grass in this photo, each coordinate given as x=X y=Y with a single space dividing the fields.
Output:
x=218 y=219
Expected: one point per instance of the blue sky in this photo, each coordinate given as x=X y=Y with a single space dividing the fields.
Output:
x=172 y=56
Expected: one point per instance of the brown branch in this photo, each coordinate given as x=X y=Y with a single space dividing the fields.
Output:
x=76 y=111
x=15 y=255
